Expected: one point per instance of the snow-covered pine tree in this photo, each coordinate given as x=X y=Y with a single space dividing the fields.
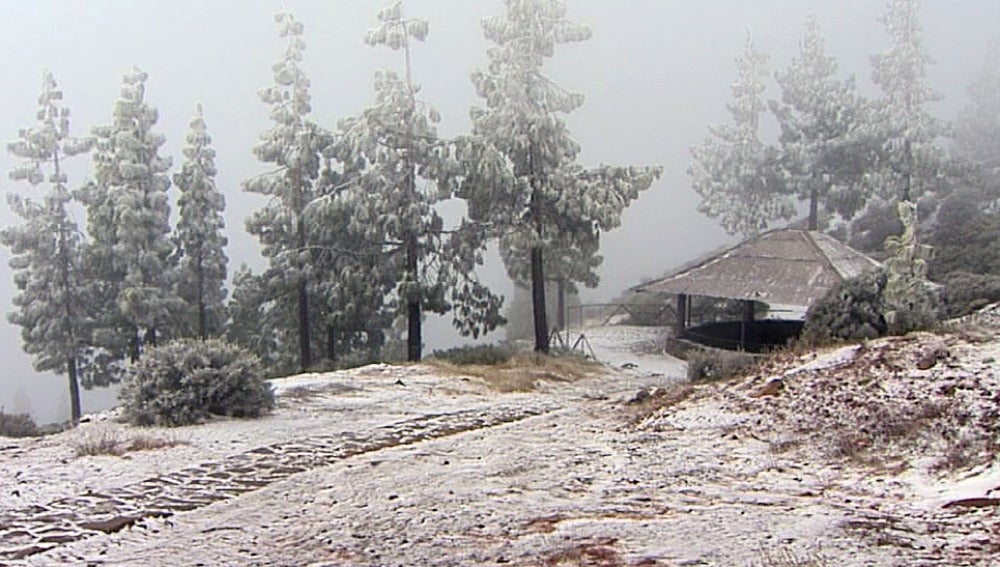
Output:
x=356 y=279
x=293 y=145
x=53 y=298
x=735 y=173
x=908 y=159
x=200 y=244
x=400 y=171
x=572 y=258
x=819 y=115
x=128 y=220
x=520 y=174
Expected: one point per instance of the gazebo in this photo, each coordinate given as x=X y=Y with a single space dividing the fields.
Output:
x=787 y=268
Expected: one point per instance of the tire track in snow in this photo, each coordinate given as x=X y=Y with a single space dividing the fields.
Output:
x=39 y=528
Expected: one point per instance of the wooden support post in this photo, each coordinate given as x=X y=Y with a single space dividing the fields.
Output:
x=682 y=315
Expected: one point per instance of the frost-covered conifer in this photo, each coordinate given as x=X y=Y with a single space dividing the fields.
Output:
x=734 y=172
x=128 y=220
x=201 y=271
x=520 y=174
x=819 y=115
x=909 y=161
x=293 y=146
x=402 y=170
x=53 y=297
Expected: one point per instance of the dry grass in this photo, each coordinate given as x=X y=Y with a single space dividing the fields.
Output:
x=523 y=373
x=115 y=443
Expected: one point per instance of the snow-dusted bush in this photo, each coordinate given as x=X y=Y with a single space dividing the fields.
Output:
x=187 y=381
x=17 y=425
x=716 y=364
x=854 y=309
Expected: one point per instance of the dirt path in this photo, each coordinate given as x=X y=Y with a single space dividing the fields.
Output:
x=41 y=528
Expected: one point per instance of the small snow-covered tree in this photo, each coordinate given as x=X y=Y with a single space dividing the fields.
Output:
x=293 y=145
x=909 y=160
x=734 y=172
x=128 y=219
x=53 y=298
x=404 y=170
x=819 y=115
x=201 y=271
x=520 y=174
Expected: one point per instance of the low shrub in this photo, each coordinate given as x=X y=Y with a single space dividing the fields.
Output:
x=853 y=310
x=716 y=364
x=17 y=425
x=186 y=381
x=965 y=293
x=485 y=355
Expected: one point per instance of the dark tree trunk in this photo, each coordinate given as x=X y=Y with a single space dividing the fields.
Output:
x=202 y=310
x=305 y=355
x=74 y=391
x=813 y=208
x=561 y=304
x=414 y=317
x=538 y=301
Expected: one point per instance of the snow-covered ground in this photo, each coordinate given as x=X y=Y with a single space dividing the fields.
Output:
x=410 y=466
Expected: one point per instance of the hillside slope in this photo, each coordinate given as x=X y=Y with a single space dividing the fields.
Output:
x=876 y=455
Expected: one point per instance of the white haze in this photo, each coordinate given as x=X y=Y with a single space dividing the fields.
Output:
x=655 y=75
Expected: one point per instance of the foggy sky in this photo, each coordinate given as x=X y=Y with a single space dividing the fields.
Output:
x=655 y=74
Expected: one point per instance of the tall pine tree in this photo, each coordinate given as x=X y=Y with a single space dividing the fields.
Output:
x=520 y=171
x=200 y=245
x=819 y=115
x=128 y=219
x=734 y=172
x=293 y=145
x=53 y=298
x=908 y=158
x=405 y=170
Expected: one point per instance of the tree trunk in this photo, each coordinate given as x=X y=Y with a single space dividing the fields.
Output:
x=561 y=304
x=813 y=207
x=305 y=356
x=538 y=301
x=74 y=391
x=414 y=317
x=202 y=311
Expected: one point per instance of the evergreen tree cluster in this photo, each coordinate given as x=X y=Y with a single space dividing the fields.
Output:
x=837 y=152
x=875 y=172
x=352 y=233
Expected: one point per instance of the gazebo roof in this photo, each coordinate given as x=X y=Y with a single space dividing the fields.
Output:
x=782 y=267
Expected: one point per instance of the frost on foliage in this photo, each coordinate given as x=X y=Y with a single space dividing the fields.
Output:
x=129 y=255
x=53 y=299
x=819 y=116
x=188 y=381
x=519 y=171
x=734 y=172
x=910 y=302
x=399 y=170
x=293 y=145
x=908 y=159
x=201 y=269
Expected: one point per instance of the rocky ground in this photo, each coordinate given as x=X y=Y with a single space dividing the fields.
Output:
x=883 y=454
